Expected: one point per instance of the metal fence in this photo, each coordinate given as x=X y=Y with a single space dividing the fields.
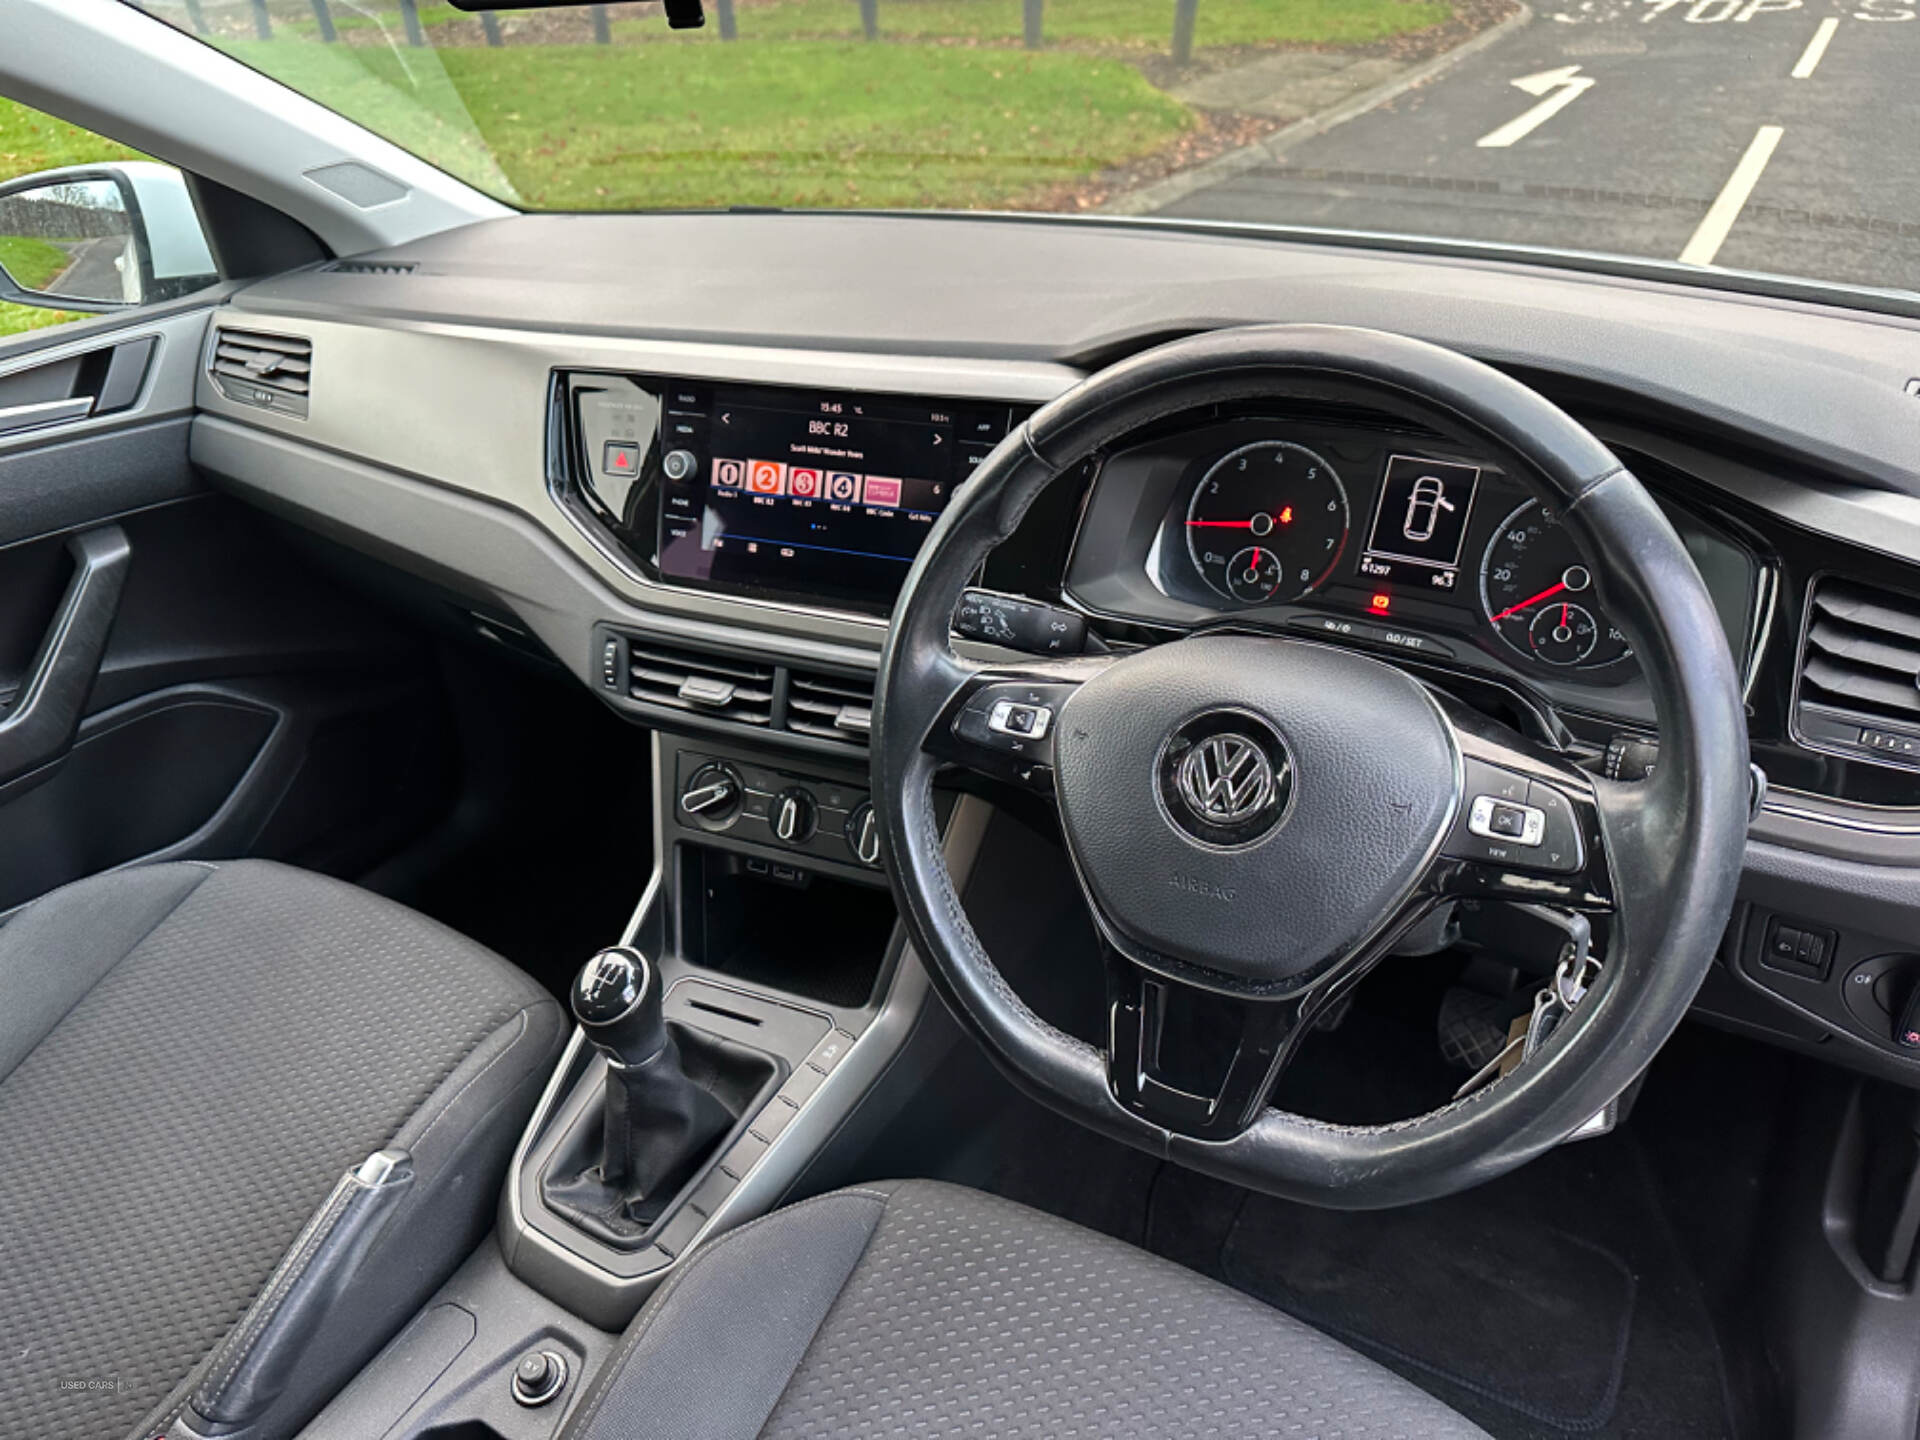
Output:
x=206 y=17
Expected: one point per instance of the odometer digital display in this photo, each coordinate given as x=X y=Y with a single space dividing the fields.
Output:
x=1267 y=523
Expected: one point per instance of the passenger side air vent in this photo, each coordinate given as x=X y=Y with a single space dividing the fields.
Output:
x=273 y=372
x=718 y=686
x=371 y=267
x=830 y=707
x=1860 y=671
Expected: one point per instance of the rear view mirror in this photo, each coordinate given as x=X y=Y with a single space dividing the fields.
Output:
x=681 y=14
x=101 y=237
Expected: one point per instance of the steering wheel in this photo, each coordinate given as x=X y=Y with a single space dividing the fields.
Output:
x=1256 y=820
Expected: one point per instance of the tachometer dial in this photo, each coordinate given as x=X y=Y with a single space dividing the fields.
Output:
x=1537 y=591
x=1267 y=522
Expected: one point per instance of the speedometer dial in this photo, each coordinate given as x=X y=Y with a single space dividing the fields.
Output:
x=1267 y=523
x=1537 y=591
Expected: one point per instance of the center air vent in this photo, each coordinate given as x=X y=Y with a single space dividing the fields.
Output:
x=718 y=686
x=831 y=707
x=273 y=372
x=1860 y=671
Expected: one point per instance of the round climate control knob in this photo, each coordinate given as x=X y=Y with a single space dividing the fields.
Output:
x=794 y=815
x=712 y=795
x=863 y=833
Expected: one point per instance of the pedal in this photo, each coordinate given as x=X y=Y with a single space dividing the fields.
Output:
x=1472 y=1026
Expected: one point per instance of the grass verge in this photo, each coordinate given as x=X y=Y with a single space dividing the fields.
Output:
x=30 y=262
x=810 y=123
x=1132 y=24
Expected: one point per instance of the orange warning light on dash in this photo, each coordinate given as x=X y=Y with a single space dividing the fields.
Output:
x=1381 y=602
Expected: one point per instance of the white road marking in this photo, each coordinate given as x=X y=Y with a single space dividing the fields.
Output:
x=1816 y=47
x=1561 y=87
x=1713 y=231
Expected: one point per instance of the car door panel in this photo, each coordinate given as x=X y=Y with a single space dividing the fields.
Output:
x=176 y=678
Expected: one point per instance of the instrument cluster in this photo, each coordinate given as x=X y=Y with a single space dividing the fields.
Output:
x=1372 y=532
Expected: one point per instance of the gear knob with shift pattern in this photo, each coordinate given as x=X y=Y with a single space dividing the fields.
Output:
x=660 y=1123
x=616 y=999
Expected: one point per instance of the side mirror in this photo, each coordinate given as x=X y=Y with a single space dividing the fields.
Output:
x=101 y=237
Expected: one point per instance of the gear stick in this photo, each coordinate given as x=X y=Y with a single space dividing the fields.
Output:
x=659 y=1123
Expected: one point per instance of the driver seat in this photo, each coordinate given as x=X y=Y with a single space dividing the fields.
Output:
x=916 y=1309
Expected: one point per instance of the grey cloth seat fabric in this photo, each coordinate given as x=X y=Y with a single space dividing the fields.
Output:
x=190 y=1057
x=918 y=1310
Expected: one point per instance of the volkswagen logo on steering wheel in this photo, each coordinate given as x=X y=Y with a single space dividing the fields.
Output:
x=1225 y=778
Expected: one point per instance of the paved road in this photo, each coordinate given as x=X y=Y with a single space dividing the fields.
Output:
x=92 y=272
x=1682 y=130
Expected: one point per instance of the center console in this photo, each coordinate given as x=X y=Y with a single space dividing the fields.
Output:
x=788 y=985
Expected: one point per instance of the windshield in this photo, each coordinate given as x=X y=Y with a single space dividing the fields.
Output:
x=1763 y=135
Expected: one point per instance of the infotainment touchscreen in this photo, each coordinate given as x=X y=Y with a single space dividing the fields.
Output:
x=807 y=494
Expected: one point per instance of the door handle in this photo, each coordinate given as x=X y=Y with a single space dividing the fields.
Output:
x=46 y=710
x=44 y=412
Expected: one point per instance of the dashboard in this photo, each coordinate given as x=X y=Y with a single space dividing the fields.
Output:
x=696 y=479
x=1362 y=528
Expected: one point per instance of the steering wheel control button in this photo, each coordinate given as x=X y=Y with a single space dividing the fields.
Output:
x=1493 y=819
x=1510 y=820
x=1560 y=849
x=540 y=1375
x=987 y=721
x=1490 y=780
x=1010 y=717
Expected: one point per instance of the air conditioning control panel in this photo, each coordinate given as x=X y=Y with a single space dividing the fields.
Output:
x=808 y=816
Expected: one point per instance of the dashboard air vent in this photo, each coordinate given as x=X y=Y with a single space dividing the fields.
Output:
x=371 y=267
x=1860 y=670
x=274 y=372
x=718 y=686
x=830 y=707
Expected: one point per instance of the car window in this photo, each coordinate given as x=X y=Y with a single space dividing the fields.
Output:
x=88 y=226
x=1717 y=135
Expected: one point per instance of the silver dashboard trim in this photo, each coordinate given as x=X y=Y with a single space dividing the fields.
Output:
x=1862 y=824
